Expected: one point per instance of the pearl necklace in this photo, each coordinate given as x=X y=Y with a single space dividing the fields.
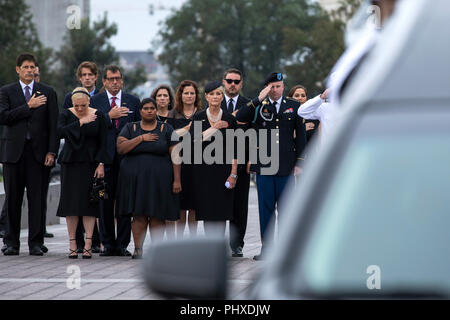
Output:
x=211 y=118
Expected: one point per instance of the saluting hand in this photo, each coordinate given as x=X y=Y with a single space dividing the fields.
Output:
x=36 y=102
x=264 y=92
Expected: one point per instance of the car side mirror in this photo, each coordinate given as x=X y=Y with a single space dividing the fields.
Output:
x=188 y=268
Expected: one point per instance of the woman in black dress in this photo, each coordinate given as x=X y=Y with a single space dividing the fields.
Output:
x=187 y=105
x=164 y=101
x=82 y=159
x=215 y=181
x=148 y=183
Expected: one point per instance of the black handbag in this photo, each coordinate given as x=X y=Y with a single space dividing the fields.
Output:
x=98 y=191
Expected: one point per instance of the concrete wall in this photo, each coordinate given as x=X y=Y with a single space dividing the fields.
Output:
x=52 y=205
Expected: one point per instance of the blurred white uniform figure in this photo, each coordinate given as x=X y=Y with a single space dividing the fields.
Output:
x=327 y=112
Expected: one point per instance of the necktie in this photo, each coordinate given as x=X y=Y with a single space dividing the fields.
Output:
x=275 y=106
x=113 y=104
x=230 y=106
x=27 y=93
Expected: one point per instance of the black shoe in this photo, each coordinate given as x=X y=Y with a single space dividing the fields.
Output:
x=10 y=251
x=44 y=249
x=96 y=249
x=107 y=253
x=258 y=257
x=48 y=235
x=122 y=252
x=36 y=251
x=4 y=248
x=237 y=252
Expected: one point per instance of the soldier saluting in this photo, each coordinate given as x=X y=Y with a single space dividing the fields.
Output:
x=277 y=116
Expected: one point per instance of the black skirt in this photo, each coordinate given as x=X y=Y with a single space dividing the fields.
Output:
x=76 y=184
x=145 y=187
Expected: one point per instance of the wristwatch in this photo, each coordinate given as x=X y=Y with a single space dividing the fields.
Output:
x=233 y=175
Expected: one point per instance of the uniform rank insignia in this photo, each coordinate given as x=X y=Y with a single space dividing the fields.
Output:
x=290 y=110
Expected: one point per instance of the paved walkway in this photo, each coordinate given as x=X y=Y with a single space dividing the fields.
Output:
x=28 y=277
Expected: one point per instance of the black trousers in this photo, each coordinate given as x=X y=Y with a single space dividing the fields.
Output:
x=106 y=226
x=32 y=175
x=238 y=225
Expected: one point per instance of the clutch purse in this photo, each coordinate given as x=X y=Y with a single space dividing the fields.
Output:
x=98 y=191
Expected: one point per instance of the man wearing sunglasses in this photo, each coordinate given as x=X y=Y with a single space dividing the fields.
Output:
x=232 y=82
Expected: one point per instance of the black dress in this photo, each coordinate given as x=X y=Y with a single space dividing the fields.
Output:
x=146 y=176
x=84 y=148
x=187 y=194
x=214 y=200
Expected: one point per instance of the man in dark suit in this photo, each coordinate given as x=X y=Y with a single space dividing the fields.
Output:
x=277 y=114
x=119 y=108
x=87 y=75
x=28 y=146
x=232 y=82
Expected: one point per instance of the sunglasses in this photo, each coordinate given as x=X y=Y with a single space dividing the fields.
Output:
x=230 y=81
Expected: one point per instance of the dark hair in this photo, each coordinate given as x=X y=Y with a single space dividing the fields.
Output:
x=294 y=88
x=179 y=102
x=25 y=57
x=145 y=101
x=89 y=65
x=112 y=68
x=169 y=90
x=233 y=70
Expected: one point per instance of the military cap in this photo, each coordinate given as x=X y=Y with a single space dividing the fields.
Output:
x=211 y=86
x=273 y=77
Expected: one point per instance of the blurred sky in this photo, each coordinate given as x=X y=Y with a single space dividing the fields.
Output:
x=136 y=27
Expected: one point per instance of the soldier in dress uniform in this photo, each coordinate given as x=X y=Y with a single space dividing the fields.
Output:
x=277 y=116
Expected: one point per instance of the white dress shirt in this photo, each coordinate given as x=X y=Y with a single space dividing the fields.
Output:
x=278 y=103
x=235 y=99
x=23 y=85
x=118 y=98
x=328 y=112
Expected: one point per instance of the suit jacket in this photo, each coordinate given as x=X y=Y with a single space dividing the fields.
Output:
x=241 y=102
x=263 y=115
x=101 y=102
x=68 y=99
x=17 y=118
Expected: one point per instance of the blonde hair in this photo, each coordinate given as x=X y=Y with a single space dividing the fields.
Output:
x=79 y=93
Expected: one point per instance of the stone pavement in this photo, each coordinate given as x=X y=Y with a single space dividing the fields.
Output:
x=26 y=277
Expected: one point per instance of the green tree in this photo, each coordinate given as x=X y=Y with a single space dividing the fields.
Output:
x=17 y=35
x=84 y=44
x=202 y=39
x=91 y=43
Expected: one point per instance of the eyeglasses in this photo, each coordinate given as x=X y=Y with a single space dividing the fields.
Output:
x=112 y=79
x=230 y=81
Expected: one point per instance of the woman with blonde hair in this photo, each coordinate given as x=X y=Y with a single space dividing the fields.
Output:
x=82 y=160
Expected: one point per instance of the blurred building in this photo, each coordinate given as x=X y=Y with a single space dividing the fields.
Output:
x=50 y=18
x=156 y=73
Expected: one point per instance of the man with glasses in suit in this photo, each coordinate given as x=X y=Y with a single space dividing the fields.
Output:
x=119 y=108
x=232 y=102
